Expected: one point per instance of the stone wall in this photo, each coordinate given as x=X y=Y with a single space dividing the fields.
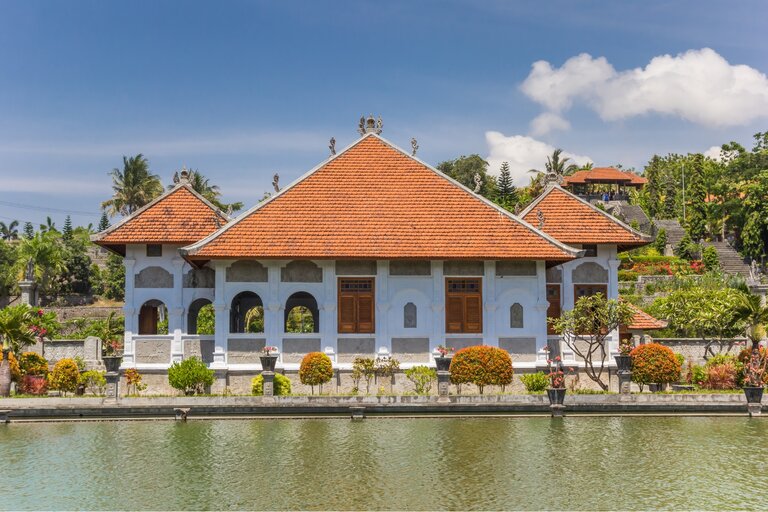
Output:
x=693 y=348
x=91 y=312
x=88 y=349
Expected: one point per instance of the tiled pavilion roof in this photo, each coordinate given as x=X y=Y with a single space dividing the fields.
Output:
x=604 y=175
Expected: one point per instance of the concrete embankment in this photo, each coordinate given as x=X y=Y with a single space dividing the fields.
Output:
x=343 y=406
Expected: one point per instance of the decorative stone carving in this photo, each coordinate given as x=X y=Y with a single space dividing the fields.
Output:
x=554 y=275
x=515 y=268
x=153 y=277
x=332 y=146
x=200 y=278
x=410 y=268
x=463 y=268
x=301 y=271
x=414 y=146
x=478 y=182
x=247 y=271
x=590 y=272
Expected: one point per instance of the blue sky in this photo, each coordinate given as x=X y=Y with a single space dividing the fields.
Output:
x=241 y=90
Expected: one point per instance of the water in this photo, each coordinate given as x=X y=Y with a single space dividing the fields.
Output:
x=585 y=463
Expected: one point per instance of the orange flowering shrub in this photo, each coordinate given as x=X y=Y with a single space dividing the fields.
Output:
x=14 y=364
x=65 y=376
x=32 y=363
x=482 y=365
x=653 y=363
x=316 y=369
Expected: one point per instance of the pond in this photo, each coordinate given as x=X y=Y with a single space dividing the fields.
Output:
x=529 y=463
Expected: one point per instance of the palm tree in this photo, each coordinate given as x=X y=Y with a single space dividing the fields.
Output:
x=752 y=311
x=202 y=186
x=45 y=251
x=10 y=231
x=134 y=186
x=556 y=167
x=48 y=226
x=15 y=322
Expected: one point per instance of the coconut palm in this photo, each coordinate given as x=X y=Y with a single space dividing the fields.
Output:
x=557 y=167
x=134 y=186
x=48 y=226
x=202 y=186
x=45 y=251
x=15 y=322
x=9 y=231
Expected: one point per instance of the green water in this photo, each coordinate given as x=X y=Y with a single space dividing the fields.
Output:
x=416 y=464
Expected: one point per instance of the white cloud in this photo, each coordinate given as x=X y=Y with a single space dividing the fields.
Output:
x=523 y=153
x=714 y=153
x=547 y=122
x=698 y=85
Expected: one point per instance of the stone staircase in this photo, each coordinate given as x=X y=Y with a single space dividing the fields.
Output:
x=675 y=231
x=730 y=260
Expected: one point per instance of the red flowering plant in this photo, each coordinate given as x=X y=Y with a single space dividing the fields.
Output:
x=754 y=371
x=267 y=349
x=443 y=350
x=625 y=346
x=556 y=374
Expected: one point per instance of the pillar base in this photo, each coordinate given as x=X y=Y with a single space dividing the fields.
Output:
x=443 y=385
x=557 y=411
x=755 y=409
x=181 y=413
x=113 y=388
x=269 y=383
x=625 y=382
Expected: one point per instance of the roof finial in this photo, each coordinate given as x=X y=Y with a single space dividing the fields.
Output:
x=184 y=175
x=370 y=125
x=414 y=146
x=332 y=146
x=540 y=216
x=276 y=182
x=478 y=182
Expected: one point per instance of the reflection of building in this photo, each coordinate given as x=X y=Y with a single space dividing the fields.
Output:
x=387 y=254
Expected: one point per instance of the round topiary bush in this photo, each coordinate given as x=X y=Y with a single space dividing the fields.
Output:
x=653 y=363
x=32 y=363
x=281 y=385
x=482 y=365
x=190 y=376
x=316 y=369
x=65 y=376
x=14 y=365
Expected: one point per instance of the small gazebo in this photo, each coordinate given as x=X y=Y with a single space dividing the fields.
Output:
x=607 y=183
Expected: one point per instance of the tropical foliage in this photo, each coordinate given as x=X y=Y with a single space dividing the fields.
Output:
x=482 y=365
x=191 y=376
x=653 y=363
x=133 y=186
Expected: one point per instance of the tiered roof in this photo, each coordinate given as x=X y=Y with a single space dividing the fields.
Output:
x=604 y=175
x=572 y=220
x=180 y=216
x=375 y=201
x=642 y=321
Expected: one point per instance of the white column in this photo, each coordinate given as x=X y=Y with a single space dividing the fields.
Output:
x=328 y=320
x=438 y=306
x=613 y=293
x=489 y=296
x=542 y=304
x=382 y=307
x=221 y=311
x=176 y=309
x=129 y=312
x=273 y=310
x=566 y=291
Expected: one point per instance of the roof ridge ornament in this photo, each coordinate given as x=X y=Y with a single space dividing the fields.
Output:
x=540 y=217
x=276 y=182
x=332 y=146
x=370 y=125
x=414 y=146
x=478 y=182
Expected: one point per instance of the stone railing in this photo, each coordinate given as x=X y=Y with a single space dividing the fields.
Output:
x=89 y=350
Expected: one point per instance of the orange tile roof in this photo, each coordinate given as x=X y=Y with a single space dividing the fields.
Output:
x=604 y=175
x=642 y=321
x=180 y=216
x=374 y=201
x=572 y=220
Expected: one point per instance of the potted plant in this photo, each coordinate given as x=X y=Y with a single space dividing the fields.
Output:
x=556 y=389
x=753 y=377
x=268 y=360
x=443 y=361
x=624 y=360
x=34 y=371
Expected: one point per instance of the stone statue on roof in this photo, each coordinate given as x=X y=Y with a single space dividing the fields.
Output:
x=276 y=182
x=332 y=145
x=478 y=182
x=414 y=146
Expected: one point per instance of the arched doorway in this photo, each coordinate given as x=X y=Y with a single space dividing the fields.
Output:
x=246 y=313
x=153 y=318
x=301 y=313
x=201 y=317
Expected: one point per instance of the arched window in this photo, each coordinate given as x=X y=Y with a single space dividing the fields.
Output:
x=153 y=318
x=516 y=316
x=201 y=317
x=247 y=313
x=302 y=313
x=409 y=315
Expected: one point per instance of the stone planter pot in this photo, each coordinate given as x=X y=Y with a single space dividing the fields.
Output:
x=268 y=363
x=683 y=387
x=112 y=363
x=443 y=363
x=656 y=388
x=623 y=363
x=556 y=395
x=34 y=385
x=754 y=394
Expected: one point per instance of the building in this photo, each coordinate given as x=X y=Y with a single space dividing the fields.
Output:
x=382 y=254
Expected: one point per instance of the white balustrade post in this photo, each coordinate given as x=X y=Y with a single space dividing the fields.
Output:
x=489 y=298
x=221 y=312
x=328 y=327
x=382 y=306
x=613 y=293
x=438 y=306
x=176 y=310
x=129 y=312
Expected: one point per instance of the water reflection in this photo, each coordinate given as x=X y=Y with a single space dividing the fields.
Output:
x=459 y=463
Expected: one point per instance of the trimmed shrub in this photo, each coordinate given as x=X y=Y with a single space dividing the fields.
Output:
x=482 y=365
x=316 y=369
x=281 y=385
x=628 y=275
x=94 y=381
x=710 y=258
x=32 y=363
x=422 y=378
x=65 y=376
x=653 y=363
x=190 y=376
x=14 y=364
x=660 y=243
x=534 y=382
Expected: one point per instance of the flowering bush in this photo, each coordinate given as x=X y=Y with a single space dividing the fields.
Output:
x=32 y=363
x=268 y=349
x=315 y=370
x=482 y=365
x=281 y=385
x=654 y=363
x=721 y=376
x=754 y=364
x=443 y=350
x=659 y=266
x=14 y=364
x=190 y=376
x=65 y=376
x=133 y=380
x=556 y=374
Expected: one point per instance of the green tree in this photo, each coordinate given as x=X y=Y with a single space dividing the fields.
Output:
x=66 y=233
x=710 y=259
x=114 y=278
x=754 y=314
x=506 y=193
x=464 y=169
x=103 y=222
x=133 y=187
x=557 y=167
x=7 y=268
x=661 y=241
x=45 y=251
x=9 y=231
x=696 y=194
x=15 y=331
x=212 y=193
x=585 y=328
x=29 y=231
x=49 y=226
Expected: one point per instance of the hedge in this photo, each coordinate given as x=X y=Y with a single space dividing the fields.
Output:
x=281 y=385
